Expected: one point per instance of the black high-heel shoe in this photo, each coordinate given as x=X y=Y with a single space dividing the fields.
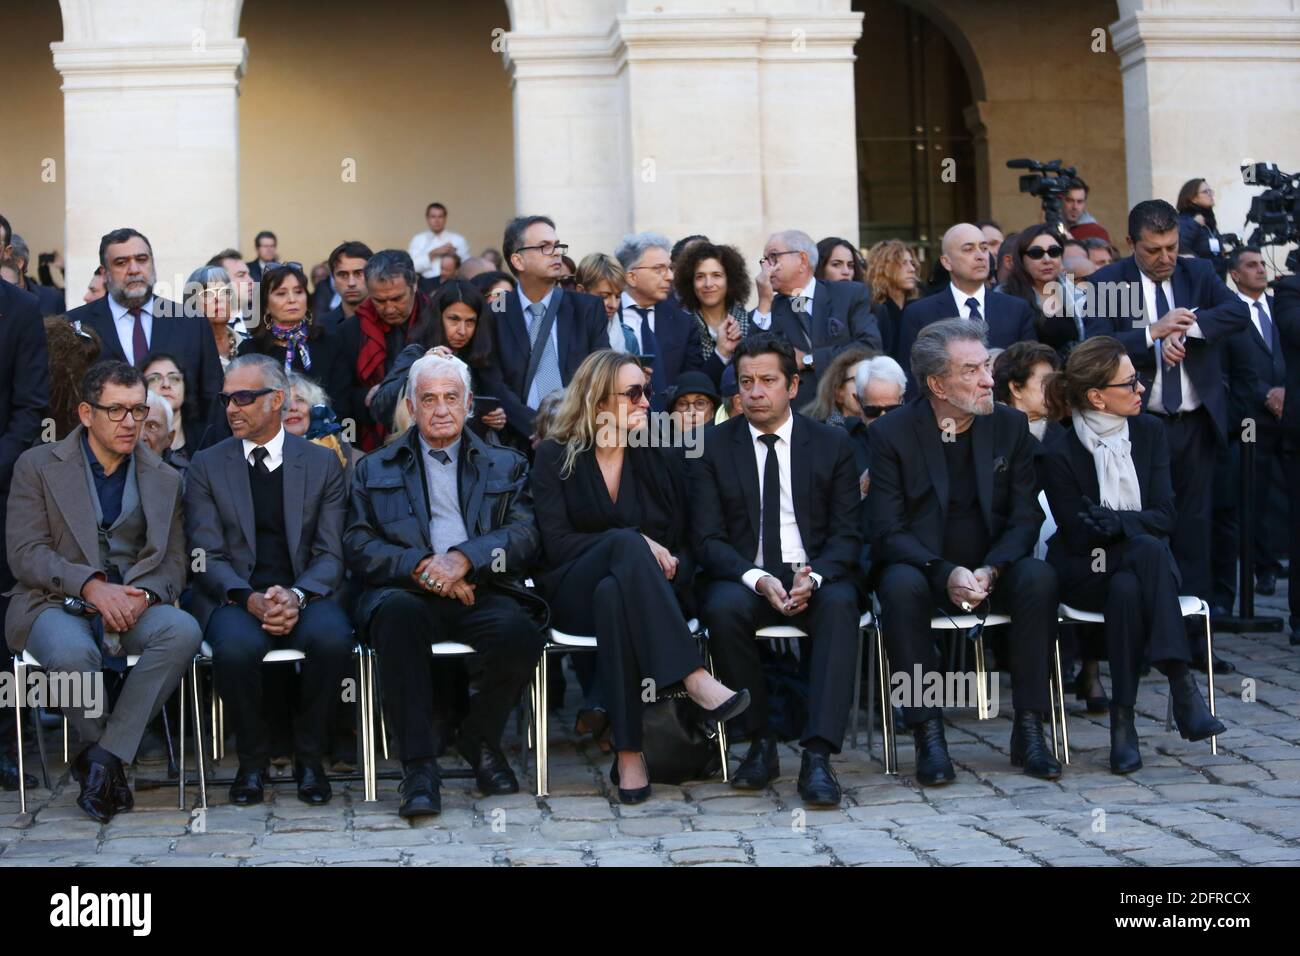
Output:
x=1083 y=683
x=629 y=797
x=733 y=706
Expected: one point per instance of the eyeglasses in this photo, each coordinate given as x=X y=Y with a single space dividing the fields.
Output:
x=117 y=413
x=157 y=378
x=1037 y=252
x=568 y=282
x=547 y=248
x=1131 y=384
x=634 y=394
x=659 y=270
x=699 y=405
x=243 y=397
x=875 y=411
x=772 y=258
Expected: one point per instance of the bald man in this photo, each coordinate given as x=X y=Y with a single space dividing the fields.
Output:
x=966 y=257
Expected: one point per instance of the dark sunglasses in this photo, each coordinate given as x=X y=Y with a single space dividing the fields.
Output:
x=1131 y=384
x=1037 y=252
x=634 y=394
x=243 y=397
x=567 y=282
x=875 y=411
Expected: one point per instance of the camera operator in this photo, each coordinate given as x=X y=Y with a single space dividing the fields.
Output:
x=1198 y=233
x=1074 y=208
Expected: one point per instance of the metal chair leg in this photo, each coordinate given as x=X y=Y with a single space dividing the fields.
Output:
x=1209 y=672
x=196 y=703
x=722 y=726
x=888 y=739
x=1051 y=704
x=1060 y=700
x=216 y=724
x=65 y=741
x=366 y=719
x=20 y=686
x=221 y=727
x=981 y=676
x=872 y=667
x=180 y=764
x=857 y=692
x=543 y=721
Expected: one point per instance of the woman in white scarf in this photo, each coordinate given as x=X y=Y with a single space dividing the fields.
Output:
x=1108 y=484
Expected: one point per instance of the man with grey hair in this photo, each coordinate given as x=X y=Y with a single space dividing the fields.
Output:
x=51 y=299
x=879 y=383
x=819 y=319
x=954 y=517
x=662 y=329
x=265 y=509
x=440 y=533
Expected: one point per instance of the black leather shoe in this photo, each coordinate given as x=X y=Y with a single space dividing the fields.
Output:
x=9 y=773
x=1124 y=754
x=1088 y=688
x=818 y=786
x=492 y=773
x=249 y=786
x=313 y=785
x=634 y=796
x=96 y=779
x=420 y=789
x=123 y=799
x=1191 y=713
x=1029 y=747
x=760 y=766
x=933 y=765
x=1266 y=583
x=1221 y=666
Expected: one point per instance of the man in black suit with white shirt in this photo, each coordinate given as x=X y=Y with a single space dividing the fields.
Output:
x=774 y=501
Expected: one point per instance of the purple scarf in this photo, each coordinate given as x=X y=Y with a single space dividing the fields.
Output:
x=294 y=341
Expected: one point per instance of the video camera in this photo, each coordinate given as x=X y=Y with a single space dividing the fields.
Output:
x=1276 y=211
x=1049 y=182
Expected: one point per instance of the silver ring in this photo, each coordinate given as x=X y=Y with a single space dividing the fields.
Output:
x=438 y=585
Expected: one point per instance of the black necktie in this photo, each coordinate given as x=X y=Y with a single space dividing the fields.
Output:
x=974 y=305
x=260 y=455
x=1265 y=325
x=771 y=525
x=1171 y=387
x=647 y=334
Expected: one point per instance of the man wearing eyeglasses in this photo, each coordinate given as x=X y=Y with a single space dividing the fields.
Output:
x=1173 y=314
x=266 y=509
x=819 y=319
x=879 y=384
x=1007 y=318
x=95 y=540
x=544 y=331
x=132 y=322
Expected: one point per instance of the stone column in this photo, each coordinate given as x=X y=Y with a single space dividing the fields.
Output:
x=151 y=128
x=1207 y=89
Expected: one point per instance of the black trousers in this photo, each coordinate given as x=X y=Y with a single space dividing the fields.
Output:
x=732 y=613
x=1193 y=452
x=1270 y=512
x=1026 y=590
x=1291 y=466
x=402 y=629
x=1137 y=591
x=617 y=591
x=323 y=633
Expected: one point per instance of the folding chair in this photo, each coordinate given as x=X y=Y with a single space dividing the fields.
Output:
x=25 y=661
x=1189 y=606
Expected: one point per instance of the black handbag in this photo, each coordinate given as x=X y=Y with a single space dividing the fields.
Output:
x=675 y=745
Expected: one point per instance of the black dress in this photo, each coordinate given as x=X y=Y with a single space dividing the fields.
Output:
x=601 y=578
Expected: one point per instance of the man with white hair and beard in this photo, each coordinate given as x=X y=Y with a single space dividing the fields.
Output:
x=954 y=518
x=132 y=322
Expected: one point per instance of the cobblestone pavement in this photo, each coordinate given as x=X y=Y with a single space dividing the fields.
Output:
x=1185 y=807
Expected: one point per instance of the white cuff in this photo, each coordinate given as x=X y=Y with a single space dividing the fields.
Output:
x=817 y=580
x=751 y=578
x=762 y=319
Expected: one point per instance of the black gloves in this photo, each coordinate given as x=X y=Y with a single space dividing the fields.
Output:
x=1103 y=523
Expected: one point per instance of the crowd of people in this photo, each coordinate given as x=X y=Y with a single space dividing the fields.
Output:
x=410 y=446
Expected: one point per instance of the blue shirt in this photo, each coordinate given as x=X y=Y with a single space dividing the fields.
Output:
x=109 y=488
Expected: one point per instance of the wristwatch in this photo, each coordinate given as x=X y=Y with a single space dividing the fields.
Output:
x=301 y=595
x=808 y=361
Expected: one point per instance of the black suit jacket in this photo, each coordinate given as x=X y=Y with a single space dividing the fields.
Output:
x=1220 y=313
x=581 y=328
x=726 y=506
x=1008 y=317
x=52 y=301
x=677 y=339
x=24 y=380
x=1070 y=475
x=1253 y=368
x=1286 y=317
x=187 y=337
x=907 y=502
x=841 y=317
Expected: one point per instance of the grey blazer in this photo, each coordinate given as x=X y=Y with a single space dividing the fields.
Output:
x=53 y=539
x=219 y=520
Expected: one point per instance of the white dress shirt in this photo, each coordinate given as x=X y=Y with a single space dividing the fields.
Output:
x=764 y=319
x=963 y=310
x=632 y=318
x=423 y=242
x=792 y=551
x=1254 y=316
x=124 y=322
x=1191 y=400
x=274 y=449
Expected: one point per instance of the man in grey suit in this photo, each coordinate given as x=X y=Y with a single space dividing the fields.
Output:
x=95 y=541
x=266 y=509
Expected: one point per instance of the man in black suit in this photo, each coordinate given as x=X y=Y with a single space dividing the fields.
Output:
x=267 y=508
x=662 y=328
x=774 y=501
x=1171 y=314
x=132 y=322
x=954 y=519
x=347 y=265
x=570 y=325
x=819 y=319
x=267 y=246
x=1286 y=299
x=1256 y=373
x=1008 y=318
x=24 y=395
